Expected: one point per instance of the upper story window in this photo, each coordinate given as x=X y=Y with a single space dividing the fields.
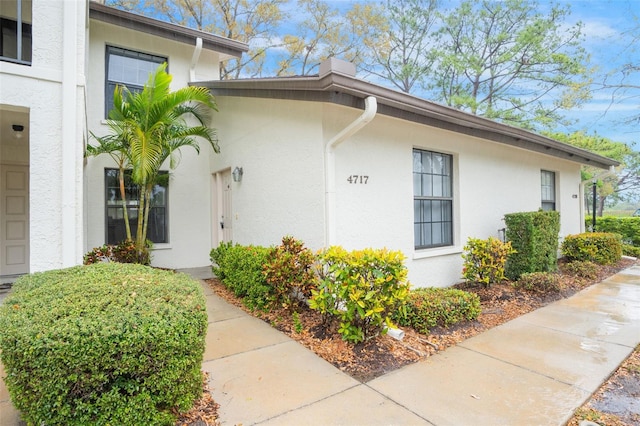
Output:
x=15 y=31
x=128 y=68
x=548 y=187
x=432 y=199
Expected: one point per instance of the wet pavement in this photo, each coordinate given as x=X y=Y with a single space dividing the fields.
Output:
x=534 y=370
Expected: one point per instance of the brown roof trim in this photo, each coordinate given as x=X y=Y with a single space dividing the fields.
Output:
x=166 y=30
x=349 y=91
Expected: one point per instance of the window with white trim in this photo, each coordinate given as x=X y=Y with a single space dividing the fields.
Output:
x=548 y=190
x=432 y=199
x=128 y=68
x=158 y=228
x=15 y=31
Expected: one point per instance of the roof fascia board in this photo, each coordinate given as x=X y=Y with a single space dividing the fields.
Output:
x=166 y=30
x=349 y=91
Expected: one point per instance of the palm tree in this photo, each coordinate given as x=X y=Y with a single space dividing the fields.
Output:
x=116 y=147
x=150 y=127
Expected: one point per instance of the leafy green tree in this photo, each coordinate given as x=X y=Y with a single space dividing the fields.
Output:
x=404 y=56
x=149 y=128
x=624 y=184
x=254 y=22
x=327 y=33
x=509 y=61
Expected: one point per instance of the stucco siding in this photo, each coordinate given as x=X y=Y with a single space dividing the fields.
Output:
x=281 y=147
x=51 y=97
x=189 y=199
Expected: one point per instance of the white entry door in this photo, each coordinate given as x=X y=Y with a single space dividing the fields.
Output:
x=223 y=219
x=14 y=220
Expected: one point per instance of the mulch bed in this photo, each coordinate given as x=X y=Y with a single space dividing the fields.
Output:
x=377 y=356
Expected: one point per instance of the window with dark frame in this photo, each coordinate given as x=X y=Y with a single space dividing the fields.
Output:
x=548 y=189
x=15 y=34
x=432 y=199
x=157 y=231
x=127 y=68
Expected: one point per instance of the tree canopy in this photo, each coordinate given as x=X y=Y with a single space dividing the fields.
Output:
x=624 y=185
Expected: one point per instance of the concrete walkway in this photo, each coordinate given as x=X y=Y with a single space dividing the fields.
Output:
x=534 y=370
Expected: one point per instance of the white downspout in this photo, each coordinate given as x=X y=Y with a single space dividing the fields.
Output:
x=370 y=109
x=194 y=60
x=611 y=171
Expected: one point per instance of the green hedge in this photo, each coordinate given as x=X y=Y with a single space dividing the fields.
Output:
x=240 y=268
x=426 y=308
x=103 y=344
x=599 y=247
x=534 y=236
x=627 y=227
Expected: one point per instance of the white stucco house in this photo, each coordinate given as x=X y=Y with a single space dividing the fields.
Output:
x=329 y=159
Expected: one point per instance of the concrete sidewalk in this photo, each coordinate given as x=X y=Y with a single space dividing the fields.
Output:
x=534 y=370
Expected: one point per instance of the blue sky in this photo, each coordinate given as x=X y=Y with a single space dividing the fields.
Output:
x=607 y=26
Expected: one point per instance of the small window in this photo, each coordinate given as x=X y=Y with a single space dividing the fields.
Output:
x=548 y=187
x=157 y=231
x=15 y=31
x=432 y=199
x=128 y=68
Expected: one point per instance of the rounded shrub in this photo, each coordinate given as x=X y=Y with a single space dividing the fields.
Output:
x=426 y=308
x=539 y=282
x=582 y=269
x=103 y=344
x=598 y=247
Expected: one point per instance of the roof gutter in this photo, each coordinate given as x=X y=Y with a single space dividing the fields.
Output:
x=370 y=109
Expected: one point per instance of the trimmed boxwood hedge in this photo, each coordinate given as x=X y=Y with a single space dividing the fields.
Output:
x=103 y=344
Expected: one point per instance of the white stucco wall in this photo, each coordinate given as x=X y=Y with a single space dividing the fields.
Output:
x=53 y=96
x=280 y=146
x=277 y=145
x=190 y=183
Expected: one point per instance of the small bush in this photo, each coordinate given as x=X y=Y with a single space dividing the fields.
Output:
x=103 y=344
x=628 y=227
x=539 y=282
x=289 y=271
x=534 y=236
x=123 y=252
x=426 y=308
x=599 y=247
x=240 y=269
x=484 y=260
x=361 y=288
x=629 y=250
x=583 y=269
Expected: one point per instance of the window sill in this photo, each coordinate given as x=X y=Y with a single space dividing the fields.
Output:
x=161 y=246
x=434 y=252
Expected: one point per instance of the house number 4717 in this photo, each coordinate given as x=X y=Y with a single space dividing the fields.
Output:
x=355 y=179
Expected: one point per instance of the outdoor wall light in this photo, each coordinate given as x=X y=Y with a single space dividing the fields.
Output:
x=17 y=130
x=237 y=174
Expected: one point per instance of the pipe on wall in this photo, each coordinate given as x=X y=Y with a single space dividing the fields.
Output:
x=370 y=110
x=194 y=60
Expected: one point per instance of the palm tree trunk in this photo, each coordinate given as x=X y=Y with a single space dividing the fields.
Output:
x=123 y=196
x=147 y=207
x=139 y=233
